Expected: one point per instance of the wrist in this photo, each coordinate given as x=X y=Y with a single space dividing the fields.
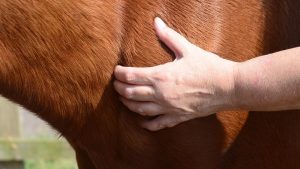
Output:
x=237 y=92
x=230 y=97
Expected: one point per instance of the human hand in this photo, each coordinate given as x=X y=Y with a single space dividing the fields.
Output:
x=197 y=84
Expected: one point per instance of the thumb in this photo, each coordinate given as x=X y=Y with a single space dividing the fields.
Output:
x=176 y=42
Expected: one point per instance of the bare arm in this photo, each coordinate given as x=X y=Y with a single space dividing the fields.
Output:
x=270 y=82
x=199 y=83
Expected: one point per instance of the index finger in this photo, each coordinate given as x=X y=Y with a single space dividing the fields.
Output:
x=133 y=75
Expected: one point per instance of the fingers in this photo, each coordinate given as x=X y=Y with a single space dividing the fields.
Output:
x=134 y=92
x=166 y=121
x=133 y=75
x=135 y=85
x=143 y=108
x=177 y=43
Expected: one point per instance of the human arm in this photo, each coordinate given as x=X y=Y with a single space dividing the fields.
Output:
x=199 y=83
x=270 y=82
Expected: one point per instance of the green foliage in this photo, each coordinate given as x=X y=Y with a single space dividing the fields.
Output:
x=51 y=164
x=12 y=149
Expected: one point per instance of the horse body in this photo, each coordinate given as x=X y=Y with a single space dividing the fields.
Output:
x=57 y=59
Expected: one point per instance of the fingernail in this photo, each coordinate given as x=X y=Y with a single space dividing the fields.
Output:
x=160 y=23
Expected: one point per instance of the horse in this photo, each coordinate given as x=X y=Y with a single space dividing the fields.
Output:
x=57 y=59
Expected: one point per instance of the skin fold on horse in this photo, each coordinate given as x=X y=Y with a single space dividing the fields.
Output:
x=57 y=59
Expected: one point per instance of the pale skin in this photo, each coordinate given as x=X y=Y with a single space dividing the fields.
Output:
x=199 y=83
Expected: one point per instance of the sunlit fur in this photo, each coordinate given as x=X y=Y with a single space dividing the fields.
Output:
x=57 y=59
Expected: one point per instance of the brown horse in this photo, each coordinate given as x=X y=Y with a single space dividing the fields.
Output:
x=57 y=58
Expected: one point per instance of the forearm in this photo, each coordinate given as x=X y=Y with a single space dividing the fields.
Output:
x=205 y=83
x=270 y=82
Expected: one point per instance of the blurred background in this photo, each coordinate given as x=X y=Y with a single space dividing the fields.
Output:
x=27 y=142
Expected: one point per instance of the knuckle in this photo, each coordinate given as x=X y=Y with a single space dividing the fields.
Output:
x=129 y=76
x=132 y=107
x=156 y=76
x=169 y=125
x=152 y=126
x=161 y=76
x=167 y=76
x=137 y=109
x=160 y=126
x=148 y=92
x=128 y=93
x=165 y=96
x=170 y=98
x=141 y=111
x=183 y=118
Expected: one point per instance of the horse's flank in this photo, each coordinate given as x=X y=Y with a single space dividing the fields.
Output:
x=57 y=59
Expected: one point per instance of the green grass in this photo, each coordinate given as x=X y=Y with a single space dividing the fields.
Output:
x=53 y=164
x=38 y=154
